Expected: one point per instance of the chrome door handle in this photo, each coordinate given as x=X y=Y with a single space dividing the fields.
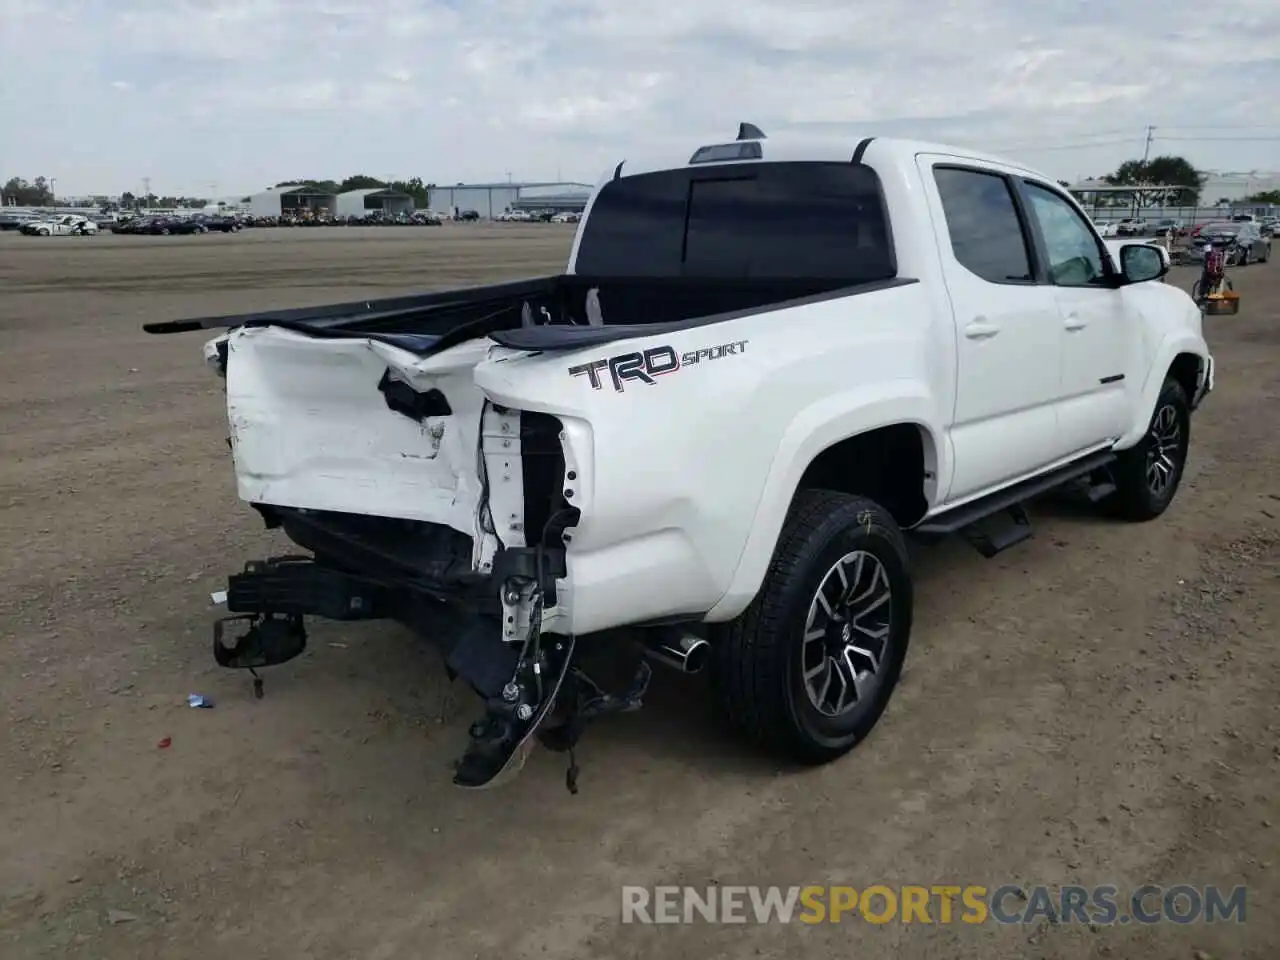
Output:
x=981 y=329
x=1074 y=322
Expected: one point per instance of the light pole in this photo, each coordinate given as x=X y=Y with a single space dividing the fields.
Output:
x=53 y=191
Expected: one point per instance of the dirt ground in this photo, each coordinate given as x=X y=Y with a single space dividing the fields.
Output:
x=1098 y=705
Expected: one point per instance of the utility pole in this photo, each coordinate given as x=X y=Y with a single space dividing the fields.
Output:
x=53 y=191
x=1147 y=150
x=146 y=191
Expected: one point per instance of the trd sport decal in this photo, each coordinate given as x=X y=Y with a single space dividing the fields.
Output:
x=645 y=366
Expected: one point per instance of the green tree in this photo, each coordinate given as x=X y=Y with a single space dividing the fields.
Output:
x=319 y=186
x=19 y=192
x=1161 y=171
x=360 y=182
x=415 y=188
x=1266 y=196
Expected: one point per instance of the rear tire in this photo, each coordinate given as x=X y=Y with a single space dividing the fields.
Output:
x=1148 y=474
x=831 y=624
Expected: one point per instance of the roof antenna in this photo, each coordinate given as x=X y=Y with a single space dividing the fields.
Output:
x=749 y=131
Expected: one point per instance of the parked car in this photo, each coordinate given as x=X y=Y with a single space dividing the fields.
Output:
x=515 y=471
x=164 y=226
x=130 y=225
x=216 y=223
x=1131 y=227
x=10 y=220
x=468 y=216
x=1243 y=242
x=1106 y=228
x=1167 y=225
x=67 y=225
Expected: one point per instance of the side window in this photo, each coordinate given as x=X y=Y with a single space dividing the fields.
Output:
x=986 y=235
x=1074 y=257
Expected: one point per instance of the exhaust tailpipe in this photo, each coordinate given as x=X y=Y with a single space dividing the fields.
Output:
x=681 y=651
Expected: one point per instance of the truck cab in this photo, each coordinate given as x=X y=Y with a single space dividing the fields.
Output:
x=765 y=365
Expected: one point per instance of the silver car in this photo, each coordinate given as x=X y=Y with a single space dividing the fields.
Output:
x=1244 y=243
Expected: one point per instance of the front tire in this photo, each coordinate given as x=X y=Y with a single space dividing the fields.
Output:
x=808 y=668
x=1147 y=475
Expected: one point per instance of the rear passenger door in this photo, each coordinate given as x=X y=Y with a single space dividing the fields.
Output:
x=1008 y=328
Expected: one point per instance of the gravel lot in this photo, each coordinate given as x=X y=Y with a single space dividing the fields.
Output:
x=1098 y=705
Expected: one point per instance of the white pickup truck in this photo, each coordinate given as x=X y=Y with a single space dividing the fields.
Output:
x=705 y=441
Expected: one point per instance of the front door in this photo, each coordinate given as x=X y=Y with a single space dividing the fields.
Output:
x=1092 y=404
x=1008 y=329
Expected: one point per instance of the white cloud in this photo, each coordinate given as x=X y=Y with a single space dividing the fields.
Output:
x=248 y=92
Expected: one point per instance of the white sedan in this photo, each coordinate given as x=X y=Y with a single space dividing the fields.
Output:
x=68 y=225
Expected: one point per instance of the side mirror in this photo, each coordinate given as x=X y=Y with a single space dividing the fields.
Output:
x=1142 y=262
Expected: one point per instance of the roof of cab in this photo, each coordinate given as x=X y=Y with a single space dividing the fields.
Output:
x=790 y=148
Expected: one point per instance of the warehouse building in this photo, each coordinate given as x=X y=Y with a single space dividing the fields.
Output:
x=291 y=199
x=357 y=203
x=560 y=201
x=491 y=199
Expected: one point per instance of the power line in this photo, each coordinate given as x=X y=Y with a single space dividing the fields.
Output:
x=1147 y=143
x=1067 y=146
x=1220 y=139
x=1082 y=138
x=1147 y=136
x=1222 y=126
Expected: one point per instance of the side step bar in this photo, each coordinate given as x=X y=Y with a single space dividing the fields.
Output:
x=967 y=518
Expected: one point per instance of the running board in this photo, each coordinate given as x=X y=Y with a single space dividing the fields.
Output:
x=964 y=518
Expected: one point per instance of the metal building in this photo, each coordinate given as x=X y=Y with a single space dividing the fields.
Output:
x=491 y=199
x=290 y=199
x=357 y=203
x=560 y=201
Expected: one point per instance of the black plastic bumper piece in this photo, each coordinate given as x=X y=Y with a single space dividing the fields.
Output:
x=268 y=641
x=271 y=597
x=298 y=585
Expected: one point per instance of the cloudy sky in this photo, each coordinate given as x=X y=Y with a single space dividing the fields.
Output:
x=244 y=93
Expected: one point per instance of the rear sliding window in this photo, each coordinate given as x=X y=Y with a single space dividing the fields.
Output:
x=819 y=221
